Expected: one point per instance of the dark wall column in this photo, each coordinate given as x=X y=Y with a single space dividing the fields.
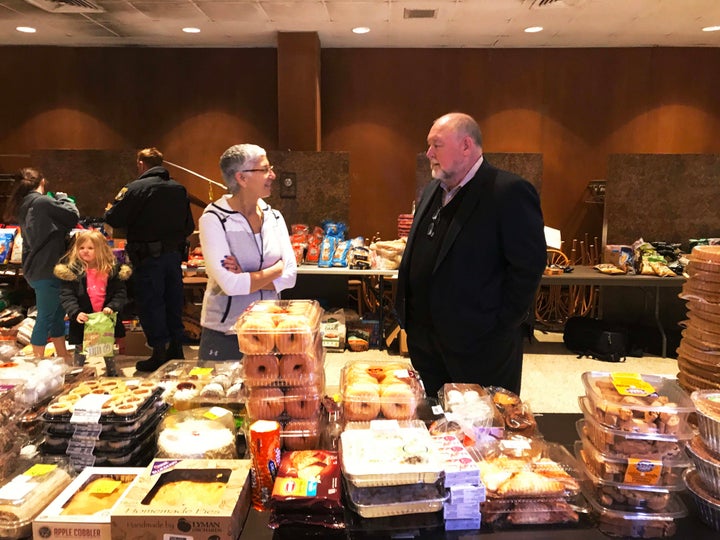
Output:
x=298 y=91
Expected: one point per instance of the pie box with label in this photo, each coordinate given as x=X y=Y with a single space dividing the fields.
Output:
x=198 y=499
x=94 y=485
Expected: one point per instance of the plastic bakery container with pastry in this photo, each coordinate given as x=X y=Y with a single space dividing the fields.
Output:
x=189 y=383
x=290 y=369
x=627 y=469
x=389 y=453
x=24 y=495
x=511 y=513
x=627 y=497
x=40 y=379
x=385 y=501
x=201 y=433
x=636 y=443
x=707 y=404
x=707 y=463
x=83 y=508
x=635 y=402
x=635 y=524
x=707 y=501
x=282 y=326
x=380 y=389
x=11 y=442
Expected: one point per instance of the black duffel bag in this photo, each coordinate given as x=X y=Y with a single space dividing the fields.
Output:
x=597 y=339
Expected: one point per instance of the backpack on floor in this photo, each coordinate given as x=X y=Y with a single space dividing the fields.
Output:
x=596 y=338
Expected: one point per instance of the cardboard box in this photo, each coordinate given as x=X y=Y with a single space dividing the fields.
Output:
x=136 y=343
x=52 y=525
x=135 y=518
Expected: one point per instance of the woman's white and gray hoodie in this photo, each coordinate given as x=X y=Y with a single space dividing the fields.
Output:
x=223 y=231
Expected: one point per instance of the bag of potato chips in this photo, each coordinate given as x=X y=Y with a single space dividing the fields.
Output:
x=99 y=336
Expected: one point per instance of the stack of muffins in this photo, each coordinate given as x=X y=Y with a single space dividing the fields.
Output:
x=703 y=482
x=699 y=351
x=283 y=368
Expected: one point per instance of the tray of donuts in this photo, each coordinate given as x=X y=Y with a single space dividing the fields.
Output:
x=296 y=369
x=373 y=390
x=190 y=383
x=296 y=408
x=281 y=326
x=116 y=403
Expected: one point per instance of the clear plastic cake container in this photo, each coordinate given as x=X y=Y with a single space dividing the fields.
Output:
x=388 y=453
x=664 y=409
x=706 y=463
x=380 y=390
x=282 y=326
x=708 y=504
x=637 y=443
x=633 y=471
x=276 y=369
x=707 y=404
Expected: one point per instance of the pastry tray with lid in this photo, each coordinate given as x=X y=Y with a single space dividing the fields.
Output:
x=708 y=503
x=389 y=389
x=10 y=408
x=635 y=524
x=192 y=383
x=532 y=513
x=707 y=404
x=629 y=470
x=275 y=369
x=427 y=498
x=665 y=408
x=639 y=443
x=626 y=497
x=706 y=463
x=39 y=379
x=388 y=453
x=284 y=326
x=284 y=404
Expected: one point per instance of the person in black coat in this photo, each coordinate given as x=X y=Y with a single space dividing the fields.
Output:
x=473 y=262
x=92 y=281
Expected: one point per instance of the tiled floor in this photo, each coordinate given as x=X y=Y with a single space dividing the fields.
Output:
x=551 y=374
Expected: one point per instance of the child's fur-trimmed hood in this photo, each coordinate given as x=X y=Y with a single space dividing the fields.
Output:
x=67 y=273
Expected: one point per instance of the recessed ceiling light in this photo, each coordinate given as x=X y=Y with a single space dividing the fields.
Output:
x=26 y=29
x=360 y=30
x=191 y=30
x=711 y=29
x=533 y=29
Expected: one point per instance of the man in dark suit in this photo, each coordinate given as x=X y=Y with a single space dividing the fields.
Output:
x=472 y=265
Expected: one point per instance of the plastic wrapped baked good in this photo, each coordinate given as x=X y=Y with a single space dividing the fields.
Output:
x=197 y=435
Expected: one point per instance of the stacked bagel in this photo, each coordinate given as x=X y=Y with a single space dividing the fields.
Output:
x=373 y=390
x=699 y=351
x=283 y=368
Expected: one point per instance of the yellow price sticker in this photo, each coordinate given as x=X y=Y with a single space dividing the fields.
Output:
x=631 y=384
x=201 y=371
x=105 y=486
x=40 y=469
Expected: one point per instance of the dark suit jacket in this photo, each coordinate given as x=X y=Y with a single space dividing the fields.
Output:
x=491 y=259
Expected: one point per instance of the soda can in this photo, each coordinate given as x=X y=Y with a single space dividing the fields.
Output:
x=265 y=457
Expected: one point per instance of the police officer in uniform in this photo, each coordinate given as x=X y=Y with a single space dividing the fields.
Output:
x=155 y=210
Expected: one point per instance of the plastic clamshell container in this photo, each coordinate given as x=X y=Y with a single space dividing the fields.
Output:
x=388 y=453
x=25 y=495
x=284 y=404
x=395 y=500
x=10 y=409
x=631 y=443
x=706 y=463
x=301 y=434
x=635 y=524
x=664 y=411
x=39 y=379
x=707 y=404
x=189 y=383
x=10 y=444
x=283 y=326
x=274 y=369
x=510 y=513
x=707 y=503
x=632 y=471
x=379 y=389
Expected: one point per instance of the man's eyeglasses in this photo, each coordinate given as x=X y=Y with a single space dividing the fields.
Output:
x=433 y=221
x=263 y=170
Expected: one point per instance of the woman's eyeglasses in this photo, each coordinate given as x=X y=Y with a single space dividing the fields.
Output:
x=263 y=170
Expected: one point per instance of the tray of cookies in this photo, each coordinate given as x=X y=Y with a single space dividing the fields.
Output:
x=292 y=369
x=626 y=469
x=380 y=390
x=389 y=453
x=626 y=400
x=640 y=443
x=282 y=326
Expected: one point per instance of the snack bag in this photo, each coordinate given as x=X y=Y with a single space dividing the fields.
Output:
x=99 y=336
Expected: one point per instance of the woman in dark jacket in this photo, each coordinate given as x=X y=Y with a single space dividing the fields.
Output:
x=44 y=224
